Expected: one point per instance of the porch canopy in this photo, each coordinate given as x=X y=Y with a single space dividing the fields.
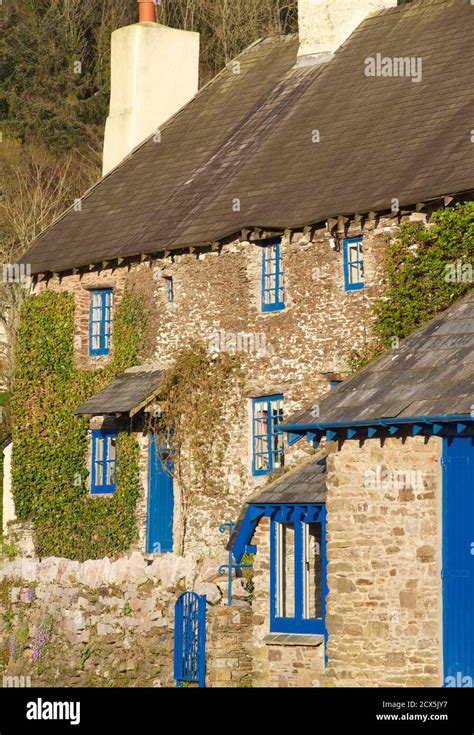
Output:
x=426 y=384
x=298 y=490
x=127 y=394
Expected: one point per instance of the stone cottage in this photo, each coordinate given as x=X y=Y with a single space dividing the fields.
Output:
x=364 y=555
x=255 y=217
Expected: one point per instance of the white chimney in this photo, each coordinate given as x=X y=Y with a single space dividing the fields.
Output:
x=154 y=72
x=325 y=24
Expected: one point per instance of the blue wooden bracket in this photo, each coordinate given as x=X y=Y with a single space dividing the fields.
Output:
x=231 y=565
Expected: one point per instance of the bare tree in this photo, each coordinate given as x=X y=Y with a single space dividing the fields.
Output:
x=35 y=187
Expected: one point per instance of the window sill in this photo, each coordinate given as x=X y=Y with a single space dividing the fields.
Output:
x=293 y=639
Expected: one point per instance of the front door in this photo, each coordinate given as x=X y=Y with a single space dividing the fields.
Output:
x=159 y=537
x=458 y=561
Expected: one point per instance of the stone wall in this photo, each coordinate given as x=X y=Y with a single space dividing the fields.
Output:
x=216 y=298
x=229 y=633
x=384 y=563
x=104 y=623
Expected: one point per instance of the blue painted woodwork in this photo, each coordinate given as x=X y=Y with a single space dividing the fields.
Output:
x=230 y=566
x=190 y=639
x=353 y=264
x=298 y=514
x=298 y=619
x=159 y=536
x=458 y=560
x=100 y=321
x=104 y=461
x=267 y=441
x=272 y=277
x=414 y=421
x=169 y=289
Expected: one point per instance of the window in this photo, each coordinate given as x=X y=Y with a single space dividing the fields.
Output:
x=169 y=289
x=100 y=322
x=272 y=277
x=298 y=569
x=104 y=461
x=353 y=264
x=267 y=441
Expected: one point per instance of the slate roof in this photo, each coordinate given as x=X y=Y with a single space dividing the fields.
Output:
x=124 y=394
x=431 y=374
x=303 y=484
x=249 y=136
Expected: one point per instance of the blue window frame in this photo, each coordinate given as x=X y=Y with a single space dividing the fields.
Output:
x=272 y=277
x=267 y=414
x=298 y=586
x=100 y=321
x=353 y=264
x=104 y=461
x=169 y=289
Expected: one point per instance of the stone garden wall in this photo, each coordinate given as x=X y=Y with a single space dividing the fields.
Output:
x=104 y=623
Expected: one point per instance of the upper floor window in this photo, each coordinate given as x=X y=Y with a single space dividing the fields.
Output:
x=272 y=277
x=169 y=289
x=100 y=321
x=267 y=441
x=298 y=569
x=353 y=263
x=104 y=461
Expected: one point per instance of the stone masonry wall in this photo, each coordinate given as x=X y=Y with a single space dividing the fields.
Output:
x=216 y=298
x=106 y=624
x=229 y=632
x=384 y=566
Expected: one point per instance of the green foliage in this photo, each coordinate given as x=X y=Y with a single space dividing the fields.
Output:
x=50 y=480
x=8 y=550
x=8 y=618
x=44 y=94
x=127 y=608
x=46 y=97
x=419 y=265
x=197 y=398
x=85 y=652
x=247 y=573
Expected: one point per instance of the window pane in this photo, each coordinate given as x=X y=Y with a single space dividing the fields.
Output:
x=99 y=473
x=312 y=570
x=110 y=479
x=352 y=250
x=286 y=570
x=112 y=447
x=99 y=448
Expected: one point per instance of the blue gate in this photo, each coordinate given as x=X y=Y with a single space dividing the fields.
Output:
x=190 y=639
x=458 y=561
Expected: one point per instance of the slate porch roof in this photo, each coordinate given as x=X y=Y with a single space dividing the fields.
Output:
x=430 y=375
x=303 y=484
x=125 y=394
x=249 y=136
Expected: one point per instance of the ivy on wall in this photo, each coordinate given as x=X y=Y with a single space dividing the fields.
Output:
x=197 y=396
x=427 y=269
x=49 y=475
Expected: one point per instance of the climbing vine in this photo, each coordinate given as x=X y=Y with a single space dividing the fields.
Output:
x=49 y=476
x=427 y=269
x=197 y=400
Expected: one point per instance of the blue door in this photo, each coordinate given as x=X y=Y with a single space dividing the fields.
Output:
x=458 y=561
x=159 y=536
